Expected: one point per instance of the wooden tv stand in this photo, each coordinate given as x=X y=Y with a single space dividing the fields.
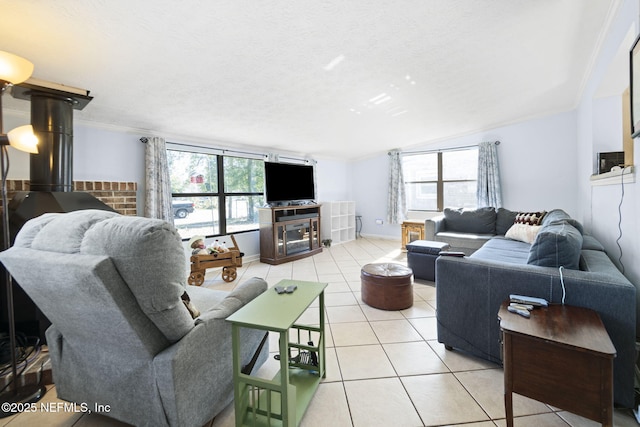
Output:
x=288 y=233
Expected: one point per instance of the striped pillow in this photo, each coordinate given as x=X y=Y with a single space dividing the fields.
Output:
x=530 y=218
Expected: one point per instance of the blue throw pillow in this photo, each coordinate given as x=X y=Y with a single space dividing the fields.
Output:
x=557 y=244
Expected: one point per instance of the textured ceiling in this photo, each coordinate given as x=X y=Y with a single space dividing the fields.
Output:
x=332 y=78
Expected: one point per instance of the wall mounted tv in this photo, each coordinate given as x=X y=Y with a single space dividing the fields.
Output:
x=286 y=182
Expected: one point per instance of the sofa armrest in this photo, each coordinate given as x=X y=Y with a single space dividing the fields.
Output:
x=432 y=226
x=469 y=292
x=236 y=299
x=196 y=372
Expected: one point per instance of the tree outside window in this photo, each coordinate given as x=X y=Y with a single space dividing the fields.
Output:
x=437 y=180
x=214 y=194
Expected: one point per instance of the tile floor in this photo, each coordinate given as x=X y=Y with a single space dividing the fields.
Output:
x=384 y=368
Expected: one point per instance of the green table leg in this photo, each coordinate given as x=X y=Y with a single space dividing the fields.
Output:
x=238 y=386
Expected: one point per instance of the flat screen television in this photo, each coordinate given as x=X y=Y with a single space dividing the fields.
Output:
x=286 y=182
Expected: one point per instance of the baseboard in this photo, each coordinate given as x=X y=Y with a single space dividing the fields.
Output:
x=250 y=258
x=380 y=236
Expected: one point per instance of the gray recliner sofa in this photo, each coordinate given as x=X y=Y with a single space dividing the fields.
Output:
x=122 y=336
x=469 y=291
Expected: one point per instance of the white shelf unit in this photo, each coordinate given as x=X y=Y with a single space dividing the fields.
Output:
x=338 y=221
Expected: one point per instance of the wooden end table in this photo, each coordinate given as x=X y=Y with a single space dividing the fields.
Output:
x=412 y=229
x=562 y=356
x=284 y=399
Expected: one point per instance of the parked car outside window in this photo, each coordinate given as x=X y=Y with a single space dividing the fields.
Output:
x=182 y=209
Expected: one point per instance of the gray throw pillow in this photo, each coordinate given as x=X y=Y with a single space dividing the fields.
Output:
x=476 y=221
x=557 y=244
x=504 y=220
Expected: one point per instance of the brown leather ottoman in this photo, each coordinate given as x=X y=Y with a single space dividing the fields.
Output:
x=387 y=286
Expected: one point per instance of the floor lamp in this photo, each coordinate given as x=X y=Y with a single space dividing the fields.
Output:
x=14 y=70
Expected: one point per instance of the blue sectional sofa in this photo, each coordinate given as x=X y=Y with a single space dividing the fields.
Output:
x=467 y=230
x=470 y=290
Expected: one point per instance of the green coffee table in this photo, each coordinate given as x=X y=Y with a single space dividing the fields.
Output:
x=284 y=399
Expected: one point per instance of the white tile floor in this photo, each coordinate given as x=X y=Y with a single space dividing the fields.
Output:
x=384 y=368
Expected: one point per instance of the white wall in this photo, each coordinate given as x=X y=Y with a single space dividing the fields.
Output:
x=102 y=155
x=332 y=181
x=599 y=121
x=370 y=178
x=537 y=166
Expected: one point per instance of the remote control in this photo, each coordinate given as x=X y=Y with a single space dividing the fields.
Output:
x=536 y=302
x=521 y=306
x=523 y=313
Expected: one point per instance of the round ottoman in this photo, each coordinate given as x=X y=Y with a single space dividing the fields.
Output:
x=387 y=286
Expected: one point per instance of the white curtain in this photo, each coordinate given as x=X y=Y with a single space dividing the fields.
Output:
x=489 y=191
x=157 y=201
x=397 y=200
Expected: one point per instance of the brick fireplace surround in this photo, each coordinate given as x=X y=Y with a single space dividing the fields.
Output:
x=120 y=196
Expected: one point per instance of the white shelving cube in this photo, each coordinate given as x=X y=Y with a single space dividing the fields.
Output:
x=338 y=221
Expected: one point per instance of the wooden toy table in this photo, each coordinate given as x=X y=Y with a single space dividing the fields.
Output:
x=229 y=261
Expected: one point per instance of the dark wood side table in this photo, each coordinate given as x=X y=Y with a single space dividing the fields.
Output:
x=562 y=356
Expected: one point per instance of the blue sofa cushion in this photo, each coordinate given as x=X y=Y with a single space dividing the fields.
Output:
x=560 y=215
x=557 y=244
x=476 y=221
x=502 y=249
x=590 y=243
x=504 y=220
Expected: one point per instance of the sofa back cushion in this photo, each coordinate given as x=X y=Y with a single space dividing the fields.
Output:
x=560 y=215
x=476 y=221
x=557 y=244
x=504 y=220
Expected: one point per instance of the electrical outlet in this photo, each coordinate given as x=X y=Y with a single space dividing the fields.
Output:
x=379 y=222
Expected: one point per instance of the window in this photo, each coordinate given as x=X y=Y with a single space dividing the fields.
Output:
x=437 y=180
x=215 y=194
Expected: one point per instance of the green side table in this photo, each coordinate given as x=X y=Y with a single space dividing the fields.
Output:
x=284 y=399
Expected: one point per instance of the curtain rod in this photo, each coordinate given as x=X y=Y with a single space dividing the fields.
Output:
x=144 y=140
x=442 y=149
